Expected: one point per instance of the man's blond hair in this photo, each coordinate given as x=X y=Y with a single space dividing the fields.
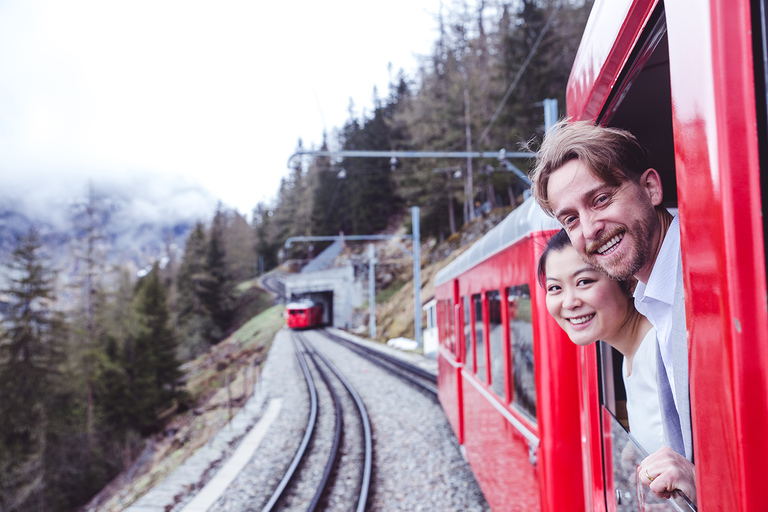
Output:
x=611 y=154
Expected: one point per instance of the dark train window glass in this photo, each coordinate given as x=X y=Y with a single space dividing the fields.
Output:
x=477 y=305
x=630 y=494
x=521 y=349
x=444 y=316
x=614 y=396
x=439 y=307
x=495 y=342
x=467 y=335
x=451 y=328
x=760 y=52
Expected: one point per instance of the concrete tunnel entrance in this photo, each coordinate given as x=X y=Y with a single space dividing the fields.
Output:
x=325 y=298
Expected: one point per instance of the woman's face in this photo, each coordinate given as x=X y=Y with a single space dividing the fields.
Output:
x=588 y=305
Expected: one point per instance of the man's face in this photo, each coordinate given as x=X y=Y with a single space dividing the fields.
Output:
x=612 y=227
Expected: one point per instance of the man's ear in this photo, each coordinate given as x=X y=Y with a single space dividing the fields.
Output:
x=650 y=182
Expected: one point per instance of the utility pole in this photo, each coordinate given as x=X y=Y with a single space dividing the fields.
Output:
x=416 y=273
x=371 y=292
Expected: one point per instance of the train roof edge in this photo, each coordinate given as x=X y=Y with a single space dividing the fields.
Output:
x=525 y=219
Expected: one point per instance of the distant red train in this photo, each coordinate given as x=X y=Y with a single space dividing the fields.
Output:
x=542 y=422
x=303 y=315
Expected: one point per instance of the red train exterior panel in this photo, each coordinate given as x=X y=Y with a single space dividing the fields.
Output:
x=519 y=462
x=714 y=121
x=303 y=316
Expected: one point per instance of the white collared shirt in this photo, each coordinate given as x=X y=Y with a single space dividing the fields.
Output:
x=655 y=299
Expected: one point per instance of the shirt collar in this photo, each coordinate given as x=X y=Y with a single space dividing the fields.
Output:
x=663 y=280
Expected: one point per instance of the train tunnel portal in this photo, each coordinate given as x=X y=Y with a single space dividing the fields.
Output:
x=336 y=289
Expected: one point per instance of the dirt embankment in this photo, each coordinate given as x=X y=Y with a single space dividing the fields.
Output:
x=219 y=383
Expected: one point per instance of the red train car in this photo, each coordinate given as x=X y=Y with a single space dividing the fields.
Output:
x=303 y=315
x=689 y=80
x=507 y=372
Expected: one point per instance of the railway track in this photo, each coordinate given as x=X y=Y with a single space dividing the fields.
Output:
x=418 y=377
x=302 y=477
x=321 y=453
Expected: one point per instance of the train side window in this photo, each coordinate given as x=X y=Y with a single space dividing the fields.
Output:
x=467 y=335
x=440 y=322
x=613 y=393
x=495 y=342
x=521 y=349
x=477 y=305
x=451 y=327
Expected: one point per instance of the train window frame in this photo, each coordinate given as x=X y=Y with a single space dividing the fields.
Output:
x=451 y=328
x=760 y=63
x=645 y=86
x=442 y=332
x=496 y=360
x=641 y=102
x=468 y=334
x=525 y=407
x=481 y=359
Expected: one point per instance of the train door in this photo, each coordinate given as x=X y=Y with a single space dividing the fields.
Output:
x=449 y=356
x=690 y=84
x=640 y=102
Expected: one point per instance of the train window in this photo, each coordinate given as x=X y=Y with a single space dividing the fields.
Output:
x=626 y=455
x=450 y=327
x=467 y=335
x=626 y=451
x=760 y=52
x=521 y=349
x=613 y=393
x=495 y=342
x=477 y=306
x=440 y=322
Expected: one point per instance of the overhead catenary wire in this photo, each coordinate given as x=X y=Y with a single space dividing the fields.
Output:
x=520 y=72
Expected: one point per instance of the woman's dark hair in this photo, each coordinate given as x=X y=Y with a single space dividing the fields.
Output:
x=558 y=242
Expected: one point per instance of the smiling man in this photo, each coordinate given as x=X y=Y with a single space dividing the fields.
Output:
x=597 y=182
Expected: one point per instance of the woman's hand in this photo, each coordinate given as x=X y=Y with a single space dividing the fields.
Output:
x=665 y=471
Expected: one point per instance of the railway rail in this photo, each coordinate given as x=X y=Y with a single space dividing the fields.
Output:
x=423 y=379
x=400 y=456
x=309 y=356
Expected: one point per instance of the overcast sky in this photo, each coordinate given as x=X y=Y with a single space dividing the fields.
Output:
x=188 y=101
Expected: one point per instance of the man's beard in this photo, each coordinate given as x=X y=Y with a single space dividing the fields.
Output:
x=638 y=237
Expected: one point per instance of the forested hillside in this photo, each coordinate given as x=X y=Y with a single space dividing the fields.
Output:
x=91 y=355
x=480 y=90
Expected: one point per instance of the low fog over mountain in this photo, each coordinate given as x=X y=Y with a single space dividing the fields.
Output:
x=138 y=217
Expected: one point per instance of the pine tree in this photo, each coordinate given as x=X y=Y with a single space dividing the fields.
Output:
x=194 y=320
x=218 y=293
x=239 y=247
x=153 y=369
x=30 y=355
x=90 y=218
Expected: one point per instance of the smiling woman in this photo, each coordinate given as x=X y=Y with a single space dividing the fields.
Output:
x=589 y=306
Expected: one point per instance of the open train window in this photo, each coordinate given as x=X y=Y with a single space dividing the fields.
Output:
x=614 y=396
x=760 y=59
x=468 y=359
x=451 y=328
x=477 y=308
x=521 y=350
x=641 y=102
x=495 y=342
